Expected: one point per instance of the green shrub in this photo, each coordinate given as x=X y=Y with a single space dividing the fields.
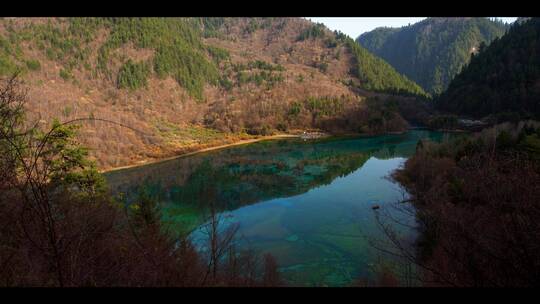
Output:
x=211 y=26
x=225 y=83
x=323 y=67
x=331 y=43
x=294 y=109
x=133 y=75
x=261 y=77
x=259 y=65
x=7 y=66
x=218 y=54
x=252 y=26
x=312 y=32
x=33 y=64
x=65 y=74
x=323 y=105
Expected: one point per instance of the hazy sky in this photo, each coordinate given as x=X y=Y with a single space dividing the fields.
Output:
x=354 y=26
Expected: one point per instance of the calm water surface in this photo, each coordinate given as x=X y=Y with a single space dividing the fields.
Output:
x=308 y=203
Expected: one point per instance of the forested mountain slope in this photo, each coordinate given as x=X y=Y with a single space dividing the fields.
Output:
x=502 y=78
x=184 y=83
x=433 y=51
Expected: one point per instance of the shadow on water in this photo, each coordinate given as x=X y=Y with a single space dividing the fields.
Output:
x=306 y=202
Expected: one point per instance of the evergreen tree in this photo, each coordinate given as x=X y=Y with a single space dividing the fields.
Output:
x=433 y=51
x=502 y=78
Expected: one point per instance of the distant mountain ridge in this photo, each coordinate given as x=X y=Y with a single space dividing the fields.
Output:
x=432 y=51
x=502 y=79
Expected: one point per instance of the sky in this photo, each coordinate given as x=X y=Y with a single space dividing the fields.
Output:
x=354 y=26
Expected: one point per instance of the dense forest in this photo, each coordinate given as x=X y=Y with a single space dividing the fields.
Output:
x=502 y=79
x=433 y=51
x=377 y=75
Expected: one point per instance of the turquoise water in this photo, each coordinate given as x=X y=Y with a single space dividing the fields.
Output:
x=308 y=203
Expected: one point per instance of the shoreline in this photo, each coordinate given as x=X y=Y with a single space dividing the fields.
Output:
x=252 y=140
x=238 y=143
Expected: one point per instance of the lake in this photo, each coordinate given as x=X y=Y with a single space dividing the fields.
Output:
x=308 y=203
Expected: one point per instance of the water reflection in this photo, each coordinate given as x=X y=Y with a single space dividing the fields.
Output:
x=247 y=174
x=307 y=203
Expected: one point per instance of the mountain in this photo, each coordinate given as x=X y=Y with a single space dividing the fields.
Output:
x=172 y=85
x=502 y=77
x=433 y=51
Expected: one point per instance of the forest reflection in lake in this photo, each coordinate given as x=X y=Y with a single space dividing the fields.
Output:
x=308 y=203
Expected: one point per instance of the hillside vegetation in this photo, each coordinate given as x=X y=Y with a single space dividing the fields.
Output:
x=61 y=227
x=476 y=196
x=233 y=78
x=503 y=79
x=477 y=204
x=433 y=51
